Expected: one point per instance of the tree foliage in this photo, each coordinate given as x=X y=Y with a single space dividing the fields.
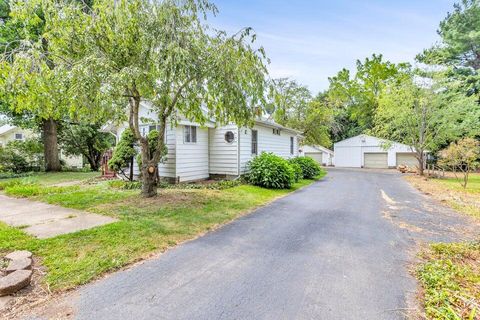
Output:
x=355 y=98
x=163 y=52
x=292 y=105
x=461 y=156
x=123 y=154
x=85 y=140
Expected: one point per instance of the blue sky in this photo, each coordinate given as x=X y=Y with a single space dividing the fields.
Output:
x=312 y=40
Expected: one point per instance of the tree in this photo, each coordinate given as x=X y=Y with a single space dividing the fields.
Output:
x=355 y=98
x=460 y=38
x=86 y=140
x=163 y=52
x=418 y=113
x=461 y=156
x=35 y=75
x=124 y=154
x=459 y=48
x=291 y=104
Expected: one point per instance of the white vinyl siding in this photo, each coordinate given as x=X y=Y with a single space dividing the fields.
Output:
x=167 y=168
x=267 y=141
x=192 y=158
x=278 y=144
x=223 y=156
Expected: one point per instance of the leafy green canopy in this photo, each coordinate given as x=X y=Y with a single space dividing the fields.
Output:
x=163 y=52
x=459 y=48
x=424 y=115
x=355 y=99
x=292 y=105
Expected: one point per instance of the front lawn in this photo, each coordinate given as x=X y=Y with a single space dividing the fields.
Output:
x=146 y=226
x=449 y=191
x=52 y=178
x=450 y=277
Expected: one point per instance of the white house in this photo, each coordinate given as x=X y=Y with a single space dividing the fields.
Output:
x=13 y=133
x=197 y=152
x=322 y=155
x=365 y=151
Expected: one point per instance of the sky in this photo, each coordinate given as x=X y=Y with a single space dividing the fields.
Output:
x=310 y=41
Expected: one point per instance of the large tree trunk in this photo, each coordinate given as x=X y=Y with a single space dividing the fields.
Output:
x=149 y=179
x=421 y=162
x=49 y=129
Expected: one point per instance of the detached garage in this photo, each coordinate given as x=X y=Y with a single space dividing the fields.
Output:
x=320 y=154
x=365 y=151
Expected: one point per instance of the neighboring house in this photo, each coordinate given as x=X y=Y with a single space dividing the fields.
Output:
x=322 y=155
x=197 y=152
x=365 y=151
x=11 y=133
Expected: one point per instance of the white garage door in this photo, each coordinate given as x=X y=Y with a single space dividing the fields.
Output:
x=316 y=156
x=408 y=159
x=375 y=160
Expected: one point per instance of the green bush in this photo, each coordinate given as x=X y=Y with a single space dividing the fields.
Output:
x=297 y=170
x=310 y=168
x=270 y=171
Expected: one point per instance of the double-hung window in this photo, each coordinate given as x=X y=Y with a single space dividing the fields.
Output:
x=291 y=145
x=254 y=142
x=18 y=136
x=190 y=134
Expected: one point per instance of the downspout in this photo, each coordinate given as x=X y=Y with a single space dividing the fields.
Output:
x=238 y=153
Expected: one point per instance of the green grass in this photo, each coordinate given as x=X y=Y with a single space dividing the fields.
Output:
x=473 y=185
x=450 y=277
x=145 y=226
x=49 y=178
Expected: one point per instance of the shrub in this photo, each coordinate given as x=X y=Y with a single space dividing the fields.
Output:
x=271 y=171
x=297 y=170
x=310 y=168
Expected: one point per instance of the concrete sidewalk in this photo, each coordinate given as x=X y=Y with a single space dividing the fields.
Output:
x=45 y=220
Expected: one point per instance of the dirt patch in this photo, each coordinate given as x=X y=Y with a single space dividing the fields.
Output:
x=463 y=201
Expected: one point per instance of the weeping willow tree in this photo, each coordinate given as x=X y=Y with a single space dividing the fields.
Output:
x=163 y=52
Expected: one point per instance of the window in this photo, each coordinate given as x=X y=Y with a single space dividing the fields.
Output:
x=151 y=128
x=291 y=145
x=190 y=134
x=229 y=136
x=276 y=132
x=18 y=136
x=254 y=142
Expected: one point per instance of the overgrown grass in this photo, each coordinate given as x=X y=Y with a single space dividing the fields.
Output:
x=49 y=178
x=145 y=226
x=449 y=191
x=450 y=277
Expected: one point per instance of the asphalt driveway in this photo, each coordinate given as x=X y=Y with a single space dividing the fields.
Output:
x=339 y=249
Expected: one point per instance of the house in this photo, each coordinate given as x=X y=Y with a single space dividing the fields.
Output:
x=13 y=133
x=198 y=152
x=322 y=155
x=364 y=151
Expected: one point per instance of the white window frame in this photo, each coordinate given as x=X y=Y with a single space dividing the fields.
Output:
x=191 y=133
